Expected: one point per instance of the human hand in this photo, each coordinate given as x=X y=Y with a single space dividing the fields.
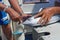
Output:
x=14 y=15
x=45 y=15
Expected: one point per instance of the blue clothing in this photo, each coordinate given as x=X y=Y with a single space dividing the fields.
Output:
x=3 y=17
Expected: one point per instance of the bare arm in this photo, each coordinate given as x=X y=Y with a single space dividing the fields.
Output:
x=15 y=5
x=56 y=9
x=17 y=8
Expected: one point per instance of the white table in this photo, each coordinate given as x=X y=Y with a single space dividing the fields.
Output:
x=53 y=29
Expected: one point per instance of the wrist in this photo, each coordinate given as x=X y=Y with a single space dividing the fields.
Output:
x=53 y=10
x=5 y=8
x=56 y=10
x=9 y=10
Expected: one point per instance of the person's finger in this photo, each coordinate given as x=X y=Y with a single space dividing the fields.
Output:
x=48 y=19
x=20 y=21
x=39 y=14
x=41 y=19
x=45 y=20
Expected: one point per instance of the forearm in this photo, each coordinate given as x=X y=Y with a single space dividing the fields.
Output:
x=56 y=10
x=15 y=5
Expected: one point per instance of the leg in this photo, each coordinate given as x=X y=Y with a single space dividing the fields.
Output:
x=7 y=31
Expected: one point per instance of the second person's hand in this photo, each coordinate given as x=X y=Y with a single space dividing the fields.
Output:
x=45 y=15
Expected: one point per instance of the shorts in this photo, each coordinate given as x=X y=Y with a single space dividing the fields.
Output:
x=4 y=20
